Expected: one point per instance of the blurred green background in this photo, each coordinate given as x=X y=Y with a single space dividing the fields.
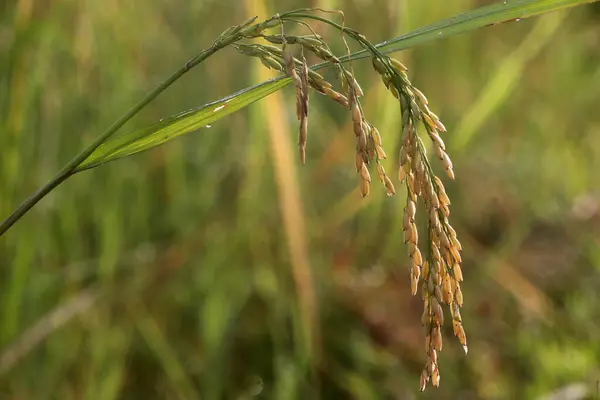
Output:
x=216 y=267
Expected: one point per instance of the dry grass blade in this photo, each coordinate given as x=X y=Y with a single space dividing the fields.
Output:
x=47 y=325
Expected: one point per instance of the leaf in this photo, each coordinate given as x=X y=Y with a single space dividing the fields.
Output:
x=503 y=11
x=177 y=125
x=189 y=121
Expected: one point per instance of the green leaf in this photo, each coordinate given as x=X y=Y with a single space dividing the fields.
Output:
x=189 y=121
x=503 y=11
x=177 y=125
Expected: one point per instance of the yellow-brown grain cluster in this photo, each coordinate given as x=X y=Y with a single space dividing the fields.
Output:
x=438 y=268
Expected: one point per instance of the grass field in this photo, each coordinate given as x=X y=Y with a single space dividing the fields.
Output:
x=217 y=267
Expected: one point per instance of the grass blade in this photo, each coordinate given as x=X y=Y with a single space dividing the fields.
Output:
x=189 y=121
x=177 y=125
x=503 y=11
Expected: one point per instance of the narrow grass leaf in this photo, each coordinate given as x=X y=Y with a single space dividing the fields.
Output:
x=177 y=125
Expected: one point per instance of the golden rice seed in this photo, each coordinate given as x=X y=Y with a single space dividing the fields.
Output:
x=364 y=188
x=438 y=294
x=336 y=96
x=380 y=152
x=437 y=340
x=358 y=161
x=414 y=108
x=457 y=270
x=398 y=65
x=444 y=199
x=435 y=377
x=433 y=356
x=428 y=121
x=439 y=124
x=423 y=380
x=407 y=234
x=458 y=295
x=429 y=365
x=418 y=184
x=414 y=238
x=444 y=240
x=406 y=220
x=376 y=136
x=362 y=141
x=434 y=221
x=434 y=201
x=411 y=208
x=439 y=152
x=405 y=158
x=446 y=162
x=412 y=247
x=453 y=285
x=446 y=285
x=456 y=243
x=455 y=326
x=448 y=296
x=424 y=318
x=364 y=173
x=455 y=309
x=371 y=152
x=445 y=210
x=356 y=114
x=401 y=173
x=416 y=271
x=381 y=172
x=434 y=305
x=420 y=96
x=411 y=182
x=417 y=258
x=439 y=184
x=357 y=127
x=451 y=230
x=425 y=269
x=414 y=282
x=455 y=254
x=430 y=285
x=390 y=189
x=436 y=139
x=450 y=173
x=439 y=267
x=435 y=252
x=462 y=337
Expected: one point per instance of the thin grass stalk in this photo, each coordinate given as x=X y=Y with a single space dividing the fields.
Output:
x=68 y=170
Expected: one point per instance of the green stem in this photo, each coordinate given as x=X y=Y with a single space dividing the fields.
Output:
x=69 y=169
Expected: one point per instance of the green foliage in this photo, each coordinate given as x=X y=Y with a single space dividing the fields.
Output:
x=168 y=274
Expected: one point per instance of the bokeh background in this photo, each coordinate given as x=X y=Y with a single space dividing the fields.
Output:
x=217 y=267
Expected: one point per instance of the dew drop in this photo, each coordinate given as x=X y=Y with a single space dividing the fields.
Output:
x=208 y=126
